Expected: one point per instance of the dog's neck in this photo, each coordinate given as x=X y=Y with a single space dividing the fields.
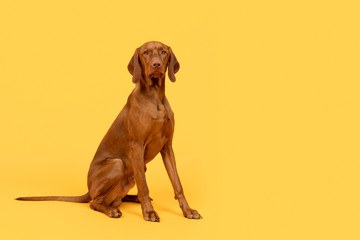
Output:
x=151 y=90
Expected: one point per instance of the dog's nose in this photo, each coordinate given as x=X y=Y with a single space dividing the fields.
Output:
x=156 y=64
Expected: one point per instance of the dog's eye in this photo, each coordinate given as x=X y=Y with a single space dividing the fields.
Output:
x=163 y=52
x=146 y=52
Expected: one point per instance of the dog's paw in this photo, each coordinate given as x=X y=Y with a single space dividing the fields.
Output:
x=191 y=214
x=114 y=213
x=151 y=216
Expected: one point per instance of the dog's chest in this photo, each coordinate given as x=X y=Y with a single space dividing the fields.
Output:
x=157 y=140
x=158 y=114
x=161 y=122
x=161 y=129
x=161 y=113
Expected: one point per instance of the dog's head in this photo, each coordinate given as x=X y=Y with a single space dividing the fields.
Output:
x=150 y=62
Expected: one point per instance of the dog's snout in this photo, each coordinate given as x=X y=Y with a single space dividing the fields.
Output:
x=156 y=63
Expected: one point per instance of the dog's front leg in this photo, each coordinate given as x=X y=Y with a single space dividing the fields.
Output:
x=168 y=156
x=137 y=160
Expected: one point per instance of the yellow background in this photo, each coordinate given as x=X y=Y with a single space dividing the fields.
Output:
x=266 y=105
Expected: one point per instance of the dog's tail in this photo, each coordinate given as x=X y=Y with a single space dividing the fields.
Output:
x=78 y=199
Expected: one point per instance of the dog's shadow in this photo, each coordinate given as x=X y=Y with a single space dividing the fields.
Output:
x=135 y=209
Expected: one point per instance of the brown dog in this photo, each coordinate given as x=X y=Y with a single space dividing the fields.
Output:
x=143 y=128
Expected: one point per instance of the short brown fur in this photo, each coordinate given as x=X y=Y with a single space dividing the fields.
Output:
x=143 y=128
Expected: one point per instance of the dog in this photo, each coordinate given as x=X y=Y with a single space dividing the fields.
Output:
x=144 y=127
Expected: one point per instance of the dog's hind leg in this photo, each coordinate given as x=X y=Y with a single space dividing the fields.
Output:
x=106 y=187
x=99 y=205
x=132 y=198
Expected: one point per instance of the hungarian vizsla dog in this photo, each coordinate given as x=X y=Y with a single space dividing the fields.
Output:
x=143 y=128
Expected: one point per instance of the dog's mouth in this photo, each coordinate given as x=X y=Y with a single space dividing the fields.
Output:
x=155 y=77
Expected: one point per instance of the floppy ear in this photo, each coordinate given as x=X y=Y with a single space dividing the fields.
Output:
x=134 y=67
x=173 y=66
